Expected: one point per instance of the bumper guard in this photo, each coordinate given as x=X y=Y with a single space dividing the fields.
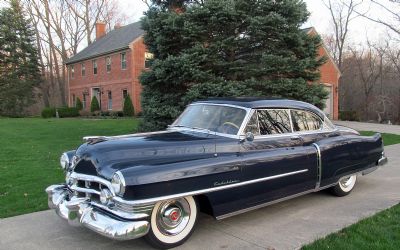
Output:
x=79 y=211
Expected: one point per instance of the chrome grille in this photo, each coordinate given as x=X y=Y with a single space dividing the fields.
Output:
x=90 y=186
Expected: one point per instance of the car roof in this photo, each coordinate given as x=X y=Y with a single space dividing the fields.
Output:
x=264 y=102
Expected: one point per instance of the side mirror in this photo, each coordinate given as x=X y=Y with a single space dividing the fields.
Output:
x=249 y=136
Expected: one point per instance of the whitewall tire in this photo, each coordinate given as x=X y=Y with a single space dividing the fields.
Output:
x=345 y=185
x=172 y=222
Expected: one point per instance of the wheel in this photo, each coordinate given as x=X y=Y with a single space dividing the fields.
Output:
x=344 y=186
x=172 y=222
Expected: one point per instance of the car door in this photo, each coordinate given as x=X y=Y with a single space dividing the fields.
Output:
x=277 y=157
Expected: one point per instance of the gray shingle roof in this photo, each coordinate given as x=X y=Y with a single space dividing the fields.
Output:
x=115 y=40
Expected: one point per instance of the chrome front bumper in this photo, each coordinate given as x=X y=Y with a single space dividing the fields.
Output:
x=79 y=211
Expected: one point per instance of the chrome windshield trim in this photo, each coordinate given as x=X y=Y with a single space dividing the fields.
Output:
x=207 y=131
x=202 y=131
x=202 y=191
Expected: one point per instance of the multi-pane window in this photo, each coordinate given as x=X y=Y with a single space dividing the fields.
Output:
x=148 y=59
x=84 y=101
x=94 y=62
x=123 y=60
x=124 y=93
x=109 y=100
x=72 y=68
x=73 y=100
x=83 y=69
x=305 y=121
x=108 y=63
x=269 y=121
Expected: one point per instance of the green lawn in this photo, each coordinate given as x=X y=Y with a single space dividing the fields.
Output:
x=381 y=231
x=29 y=156
x=388 y=139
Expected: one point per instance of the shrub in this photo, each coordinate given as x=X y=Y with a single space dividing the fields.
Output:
x=48 y=112
x=128 y=107
x=79 y=105
x=349 y=115
x=94 y=105
x=68 y=112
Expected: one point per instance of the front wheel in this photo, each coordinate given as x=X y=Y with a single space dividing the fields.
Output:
x=172 y=222
x=344 y=186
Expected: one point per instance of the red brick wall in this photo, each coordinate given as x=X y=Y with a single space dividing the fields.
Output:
x=329 y=76
x=115 y=81
x=138 y=60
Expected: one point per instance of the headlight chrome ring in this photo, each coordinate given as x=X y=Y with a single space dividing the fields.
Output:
x=118 y=183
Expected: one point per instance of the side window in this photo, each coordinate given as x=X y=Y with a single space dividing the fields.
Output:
x=305 y=121
x=252 y=125
x=274 y=121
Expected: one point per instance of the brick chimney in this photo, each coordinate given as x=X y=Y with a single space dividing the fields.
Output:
x=100 y=30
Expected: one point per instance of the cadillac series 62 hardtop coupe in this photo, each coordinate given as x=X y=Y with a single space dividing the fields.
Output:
x=221 y=157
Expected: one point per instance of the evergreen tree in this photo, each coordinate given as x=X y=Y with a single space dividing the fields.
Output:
x=19 y=66
x=226 y=48
x=79 y=104
x=94 y=105
x=128 y=109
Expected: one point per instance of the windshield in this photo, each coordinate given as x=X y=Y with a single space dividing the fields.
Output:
x=217 y=118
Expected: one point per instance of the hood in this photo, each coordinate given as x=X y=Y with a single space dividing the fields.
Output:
x=107 y=155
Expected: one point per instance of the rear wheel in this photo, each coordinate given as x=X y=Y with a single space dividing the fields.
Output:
x=172 y=222
x=344 y=186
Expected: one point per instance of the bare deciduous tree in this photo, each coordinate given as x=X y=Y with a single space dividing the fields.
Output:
x=62 y=27
x=342 y=13
x=367 y=65
x=391 y=14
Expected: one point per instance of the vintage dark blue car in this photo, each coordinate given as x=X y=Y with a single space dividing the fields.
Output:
x=222 y=157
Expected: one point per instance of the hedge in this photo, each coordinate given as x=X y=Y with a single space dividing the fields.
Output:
x=62 y=112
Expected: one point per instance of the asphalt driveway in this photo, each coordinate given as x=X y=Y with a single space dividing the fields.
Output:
x=365 y=126
x=286 y=225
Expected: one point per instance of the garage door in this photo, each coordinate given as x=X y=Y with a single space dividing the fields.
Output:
x=328 y=110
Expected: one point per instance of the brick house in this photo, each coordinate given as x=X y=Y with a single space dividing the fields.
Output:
x=109 y=69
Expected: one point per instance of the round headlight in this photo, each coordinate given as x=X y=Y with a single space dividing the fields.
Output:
x=105 y=196
x=118 y=183
x=64 y=161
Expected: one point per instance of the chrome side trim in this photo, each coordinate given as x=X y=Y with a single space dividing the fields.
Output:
x=202 y=191
x=319 y=167
x=271 y=202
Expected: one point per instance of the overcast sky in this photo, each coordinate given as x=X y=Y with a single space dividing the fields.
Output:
x=320 y=19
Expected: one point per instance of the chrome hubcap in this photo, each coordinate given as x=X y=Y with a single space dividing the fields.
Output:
x=173 y=216
x=346 y=182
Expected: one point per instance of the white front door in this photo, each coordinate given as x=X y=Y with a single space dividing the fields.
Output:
x=328 y=110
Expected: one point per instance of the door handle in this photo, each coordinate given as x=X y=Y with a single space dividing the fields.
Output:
x=295 y=138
